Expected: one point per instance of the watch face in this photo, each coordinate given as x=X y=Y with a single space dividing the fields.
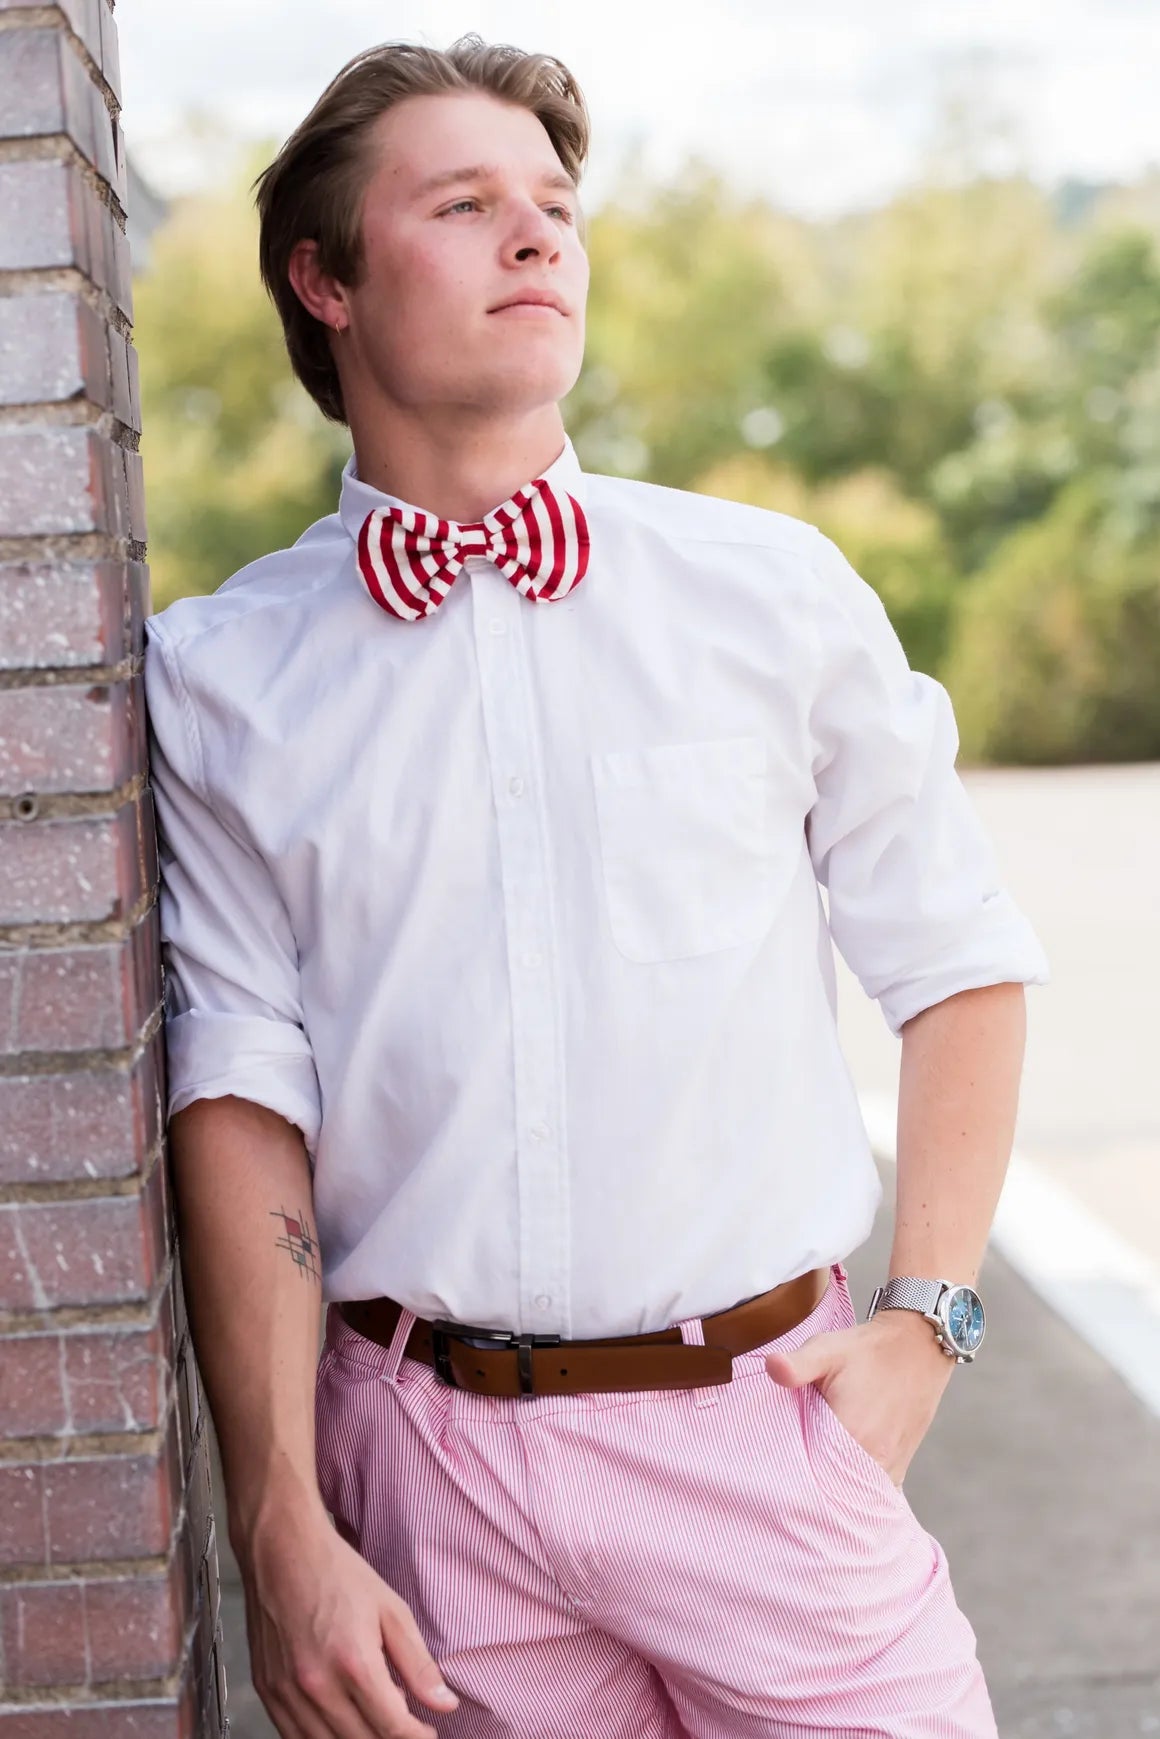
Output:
x=965 y=1319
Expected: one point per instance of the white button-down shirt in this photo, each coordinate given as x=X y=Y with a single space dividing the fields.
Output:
x=514 y=910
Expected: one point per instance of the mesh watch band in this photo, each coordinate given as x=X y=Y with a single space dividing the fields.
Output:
x=905 y=1292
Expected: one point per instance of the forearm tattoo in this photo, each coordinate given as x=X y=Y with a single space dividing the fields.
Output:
x=299 y=1241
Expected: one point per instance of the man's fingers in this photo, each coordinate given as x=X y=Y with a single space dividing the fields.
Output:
x=813 y=1359
x=384 y=1707
x=411 y=1658
x=283 y=1718
x=353 y=1699
x=313 y=1715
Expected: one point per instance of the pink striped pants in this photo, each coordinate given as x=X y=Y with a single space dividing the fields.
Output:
x=717 y=1563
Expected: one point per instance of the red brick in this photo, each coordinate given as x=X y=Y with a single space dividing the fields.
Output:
x=65 y=479
x=180 y=1314
x=190 y=1417
x=54 y=348
x=135 y=481
x=77 y=1382
x=32 y=1397
x=72 y=737
x=43 y=216
x=187 y=1564
x=166 y=1718
x=92 y=1632
x=137 y=1626
x=32 y=81
x=89 y=1123
x=98 y=1250
x=203 y=1639
x=84 y=18
x=219 y=1661
x=213 y=1573
x=66 y=999
x=77 y=869
x=71 y=613
x=110 y=50
x=89 y=18
x=126 y=394
x=22 y=1536
x=42 y=1634
x=48 y=90
x=199 y=1498
x=49 y=216
x=108 y=253
x=135 y=387
x=106 y=1507
x=118 y=1379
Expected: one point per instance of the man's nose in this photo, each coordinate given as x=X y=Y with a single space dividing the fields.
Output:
x=533 y=235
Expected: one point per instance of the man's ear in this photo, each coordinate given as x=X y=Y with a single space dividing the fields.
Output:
x=319 y=293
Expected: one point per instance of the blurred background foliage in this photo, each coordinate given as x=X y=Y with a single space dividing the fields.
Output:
x=962 y=388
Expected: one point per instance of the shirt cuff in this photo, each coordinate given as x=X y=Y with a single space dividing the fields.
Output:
x=1009 y=952
x=268 y=1061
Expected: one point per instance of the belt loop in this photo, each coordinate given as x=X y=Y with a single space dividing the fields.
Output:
x=398 y=1343
x=693 y=1334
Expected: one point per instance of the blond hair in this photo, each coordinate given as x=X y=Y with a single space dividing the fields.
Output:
x=313 y=190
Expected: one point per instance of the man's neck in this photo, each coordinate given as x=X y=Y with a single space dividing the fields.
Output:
x=461 y=471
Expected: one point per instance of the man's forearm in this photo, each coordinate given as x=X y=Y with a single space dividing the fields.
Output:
x=253 y=1291
x=958 y=1096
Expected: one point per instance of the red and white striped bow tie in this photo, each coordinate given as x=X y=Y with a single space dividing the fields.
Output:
x=409 y=560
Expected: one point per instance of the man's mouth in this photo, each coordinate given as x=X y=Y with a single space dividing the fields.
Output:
x=532 y=303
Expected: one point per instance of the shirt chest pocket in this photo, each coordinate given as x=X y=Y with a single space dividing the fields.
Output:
x=690 y=852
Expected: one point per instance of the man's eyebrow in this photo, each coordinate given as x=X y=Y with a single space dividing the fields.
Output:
x=487 y=172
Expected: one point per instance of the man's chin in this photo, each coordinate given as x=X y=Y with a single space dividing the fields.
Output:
x=521 y=391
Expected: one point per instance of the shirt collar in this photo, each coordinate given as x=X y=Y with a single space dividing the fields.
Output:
x=357 y=499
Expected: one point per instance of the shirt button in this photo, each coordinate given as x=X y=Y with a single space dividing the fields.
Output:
x=516 y=786
x=495 y=626
x=543 y=1301
x=539 y=1132
x=531 y=958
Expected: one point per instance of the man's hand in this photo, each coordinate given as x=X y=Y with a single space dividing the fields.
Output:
x=319 y=1620
x=883 y=1378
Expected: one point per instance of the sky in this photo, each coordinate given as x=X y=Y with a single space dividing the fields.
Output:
x=824 y=107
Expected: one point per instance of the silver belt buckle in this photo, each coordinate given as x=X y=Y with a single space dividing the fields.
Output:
x=442 y=1331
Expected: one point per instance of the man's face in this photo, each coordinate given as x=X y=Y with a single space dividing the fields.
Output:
x=468 y=211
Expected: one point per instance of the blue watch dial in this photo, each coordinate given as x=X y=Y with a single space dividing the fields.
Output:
x=965 y=1318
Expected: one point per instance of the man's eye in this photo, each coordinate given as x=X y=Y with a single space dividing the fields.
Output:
x=564 y=210
x=459 y=204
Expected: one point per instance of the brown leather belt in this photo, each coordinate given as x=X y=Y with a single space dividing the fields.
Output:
x=541 y=1364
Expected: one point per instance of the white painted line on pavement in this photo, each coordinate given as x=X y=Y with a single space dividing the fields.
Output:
x=1102 y=1287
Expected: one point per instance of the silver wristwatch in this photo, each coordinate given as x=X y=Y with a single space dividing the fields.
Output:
x=955 y=1311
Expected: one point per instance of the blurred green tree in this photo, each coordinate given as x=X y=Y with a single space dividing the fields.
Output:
x=1054 y=658
x=237 y=459
x=1090 y=411
x=688 y=290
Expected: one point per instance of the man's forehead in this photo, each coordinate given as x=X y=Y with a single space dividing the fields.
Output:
x=442 y=142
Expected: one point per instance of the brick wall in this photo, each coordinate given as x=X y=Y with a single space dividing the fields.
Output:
x=108 y=1566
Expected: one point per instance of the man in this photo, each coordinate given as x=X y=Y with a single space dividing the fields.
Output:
x=501 y=1004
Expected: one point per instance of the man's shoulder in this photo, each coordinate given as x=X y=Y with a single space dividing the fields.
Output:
x=684 y=514
x=256 y=598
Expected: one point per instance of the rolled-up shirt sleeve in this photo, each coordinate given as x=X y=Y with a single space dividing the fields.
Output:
x=916 y=904
x=233 y=1013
